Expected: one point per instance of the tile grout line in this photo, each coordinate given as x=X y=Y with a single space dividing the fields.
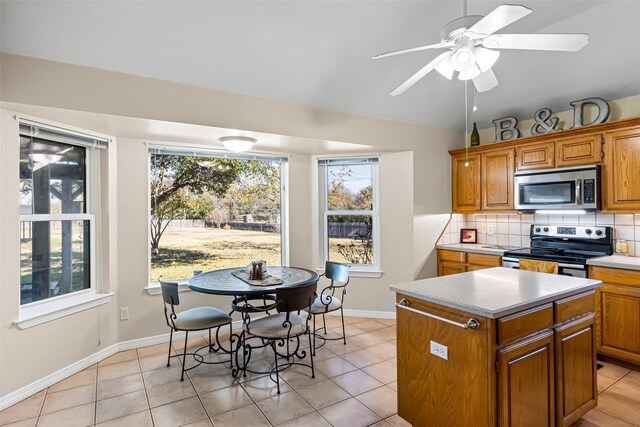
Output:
x=144 y=386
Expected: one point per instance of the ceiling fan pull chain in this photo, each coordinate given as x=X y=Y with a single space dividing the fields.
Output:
x=466 y=126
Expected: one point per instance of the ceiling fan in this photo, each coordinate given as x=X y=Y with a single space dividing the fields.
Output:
x=470 y=41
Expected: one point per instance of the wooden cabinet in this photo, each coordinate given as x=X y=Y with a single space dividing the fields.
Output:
x=466 y=183
x=580 y=150
x=536 y=367
x=576 y=378
x=498 y=168
x=536 y=156
x=454 y=262
x=621 y=171
x=618 y=313
x=526 y=382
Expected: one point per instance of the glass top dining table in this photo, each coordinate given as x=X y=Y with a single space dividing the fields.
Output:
x=223 y=282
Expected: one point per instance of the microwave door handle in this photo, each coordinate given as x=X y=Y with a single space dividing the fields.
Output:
x=578 y=192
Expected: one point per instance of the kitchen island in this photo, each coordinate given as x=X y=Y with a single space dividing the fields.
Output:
x=496 y=347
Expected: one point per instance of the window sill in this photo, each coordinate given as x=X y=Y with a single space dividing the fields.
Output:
x=51 y=310
x=155 y=289
x=371 y=274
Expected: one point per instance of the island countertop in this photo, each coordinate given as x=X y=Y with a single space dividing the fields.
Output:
x=495 y=292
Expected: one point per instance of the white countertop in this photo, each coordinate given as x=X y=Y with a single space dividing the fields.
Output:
x=616 y=261
x=477 y=248
x=495 y=292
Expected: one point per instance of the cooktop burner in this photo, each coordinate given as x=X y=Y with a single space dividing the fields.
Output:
x=554 y=254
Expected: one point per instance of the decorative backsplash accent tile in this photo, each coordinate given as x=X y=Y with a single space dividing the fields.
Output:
x=514 y=229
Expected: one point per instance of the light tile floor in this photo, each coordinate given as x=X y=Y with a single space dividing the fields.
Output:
x=355 y=385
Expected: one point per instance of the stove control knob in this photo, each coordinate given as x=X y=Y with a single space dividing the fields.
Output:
x=546 y=229
x=598 y=232
x=537 y=229
x=588 y=231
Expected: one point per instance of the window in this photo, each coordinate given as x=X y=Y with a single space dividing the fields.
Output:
x=57 y=220
x=213 y=210
x=349 y=205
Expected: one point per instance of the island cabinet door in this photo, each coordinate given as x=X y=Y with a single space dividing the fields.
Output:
x=576 y=388
x=443 y=369
x=526 y=383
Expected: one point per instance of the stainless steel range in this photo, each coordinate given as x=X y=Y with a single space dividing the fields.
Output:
x=569 y=246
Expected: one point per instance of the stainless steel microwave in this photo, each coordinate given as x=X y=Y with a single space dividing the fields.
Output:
x=558 y=189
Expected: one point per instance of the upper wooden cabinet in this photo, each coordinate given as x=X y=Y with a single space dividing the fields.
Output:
x=498 y=168
x=466 y=183
x=536 y=156
x=621 y=171
x=580 y=150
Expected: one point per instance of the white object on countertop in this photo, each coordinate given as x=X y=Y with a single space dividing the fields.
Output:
x=495 y=292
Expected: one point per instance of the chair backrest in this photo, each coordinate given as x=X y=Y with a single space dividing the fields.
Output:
x=335 y=271
x=296 y=298
x=169 y=292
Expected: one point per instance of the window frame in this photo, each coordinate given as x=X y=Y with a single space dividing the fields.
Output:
x=373 y=269
x=42 y=311
x=153 y=288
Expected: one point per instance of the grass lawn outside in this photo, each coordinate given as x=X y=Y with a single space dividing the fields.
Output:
x=184 y=249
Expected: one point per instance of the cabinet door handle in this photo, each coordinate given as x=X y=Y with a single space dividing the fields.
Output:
x=472 y=323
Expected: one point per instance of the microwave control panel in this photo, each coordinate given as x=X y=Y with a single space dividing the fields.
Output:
x=589 y=191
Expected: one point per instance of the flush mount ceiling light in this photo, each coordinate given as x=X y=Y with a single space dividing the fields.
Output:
x=468 y=41
x=237 y=144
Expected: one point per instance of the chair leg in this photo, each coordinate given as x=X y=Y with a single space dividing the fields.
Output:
x=324 y=324
x=244 y=355
x=313 y=372
x=170 y=341
x=344 y=335
x=184 y=353
x=313 y=350
x=210 y=349
x=231 y=346
x=275 y=356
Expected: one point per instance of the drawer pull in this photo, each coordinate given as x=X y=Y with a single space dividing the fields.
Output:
x=471 y=323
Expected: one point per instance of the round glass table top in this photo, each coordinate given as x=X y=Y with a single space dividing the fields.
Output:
x=223 y=282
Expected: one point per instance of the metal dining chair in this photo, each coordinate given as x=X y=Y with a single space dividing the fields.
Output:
x=281 y=330
x=193 y=319
x=327 y=301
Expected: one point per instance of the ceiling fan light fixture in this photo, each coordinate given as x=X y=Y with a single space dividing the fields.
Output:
x=469 y=74
x=463 y=59
x=445 y=69
x=485 y=58
x=238 y=144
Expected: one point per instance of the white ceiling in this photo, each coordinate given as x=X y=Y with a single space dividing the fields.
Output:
x=319 y=52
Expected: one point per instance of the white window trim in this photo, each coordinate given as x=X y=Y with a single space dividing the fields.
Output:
x=356 y=270
x=39 y=312
x=153 y=288
x=57 y=307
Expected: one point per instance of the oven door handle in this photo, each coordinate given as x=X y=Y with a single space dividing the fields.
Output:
x=578 y=191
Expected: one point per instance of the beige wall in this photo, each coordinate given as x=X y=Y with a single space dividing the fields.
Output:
x=620 y=109
x=30 y=354
x=414 y=188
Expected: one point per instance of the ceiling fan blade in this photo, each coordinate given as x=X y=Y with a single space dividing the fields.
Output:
x=558 y=42
x=499 y=18
x=413 y=49
x=485 y=81
x=420 y=74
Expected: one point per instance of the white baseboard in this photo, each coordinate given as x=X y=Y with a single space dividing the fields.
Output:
x=41 y=384
x=366 y=313
x=51 y=379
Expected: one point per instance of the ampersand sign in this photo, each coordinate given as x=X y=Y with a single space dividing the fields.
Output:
x=541 y=126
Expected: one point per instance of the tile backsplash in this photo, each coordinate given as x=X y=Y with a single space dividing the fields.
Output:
x=513 y=229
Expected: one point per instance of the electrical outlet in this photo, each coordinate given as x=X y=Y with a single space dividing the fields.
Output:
x=439 y=350
x=491 y=229
x=124 y=313
x=483 y=228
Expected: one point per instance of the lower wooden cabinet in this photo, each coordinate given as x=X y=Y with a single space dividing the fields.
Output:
x=526 y=382
x=618 y=313
x=534 y=368
x=455 y=262
x=574 y=363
